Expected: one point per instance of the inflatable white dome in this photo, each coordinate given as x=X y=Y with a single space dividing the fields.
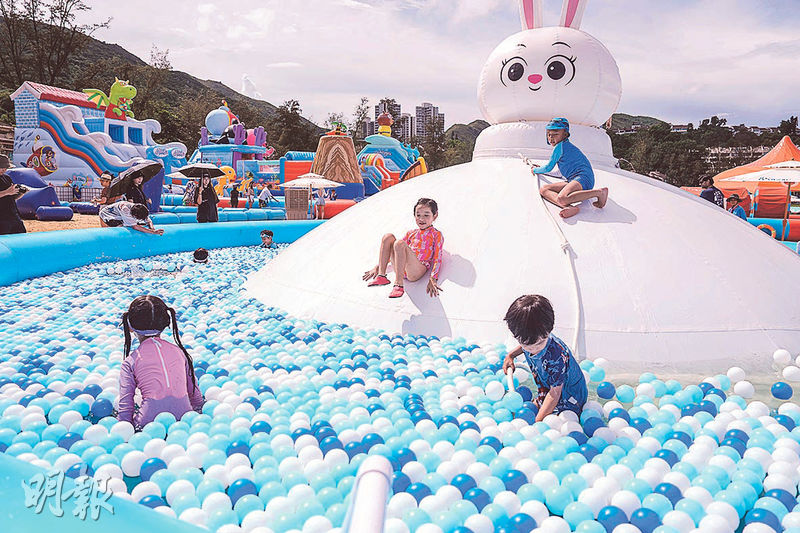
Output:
x=657 y=278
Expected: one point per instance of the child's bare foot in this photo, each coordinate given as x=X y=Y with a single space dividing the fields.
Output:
x=369 y=274
x=602 y=198
x=569 y=211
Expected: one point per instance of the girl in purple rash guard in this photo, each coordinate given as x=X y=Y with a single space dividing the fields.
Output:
x=162 y=371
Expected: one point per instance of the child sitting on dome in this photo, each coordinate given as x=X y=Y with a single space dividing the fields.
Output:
x=162 y=371
x=560 y=380
x=574 y=167
x=412 y=256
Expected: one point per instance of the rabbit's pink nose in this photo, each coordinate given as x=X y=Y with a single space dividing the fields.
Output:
x=535 y=78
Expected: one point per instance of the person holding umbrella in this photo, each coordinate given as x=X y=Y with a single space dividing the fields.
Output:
x=206 y=200
x=134 y=192
x=129 y=183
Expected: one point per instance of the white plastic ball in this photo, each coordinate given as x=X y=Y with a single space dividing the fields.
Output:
x=781 y=356
x=735 y=374
x=745 y=389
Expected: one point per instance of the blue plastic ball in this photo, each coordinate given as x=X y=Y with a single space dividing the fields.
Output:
x=150 y=467
x=479 y=497
x=418 y=491
x=763 y=516
x=240 y=488
x=782 y=390
x=606 y=390
x=610 y=517
x=645 y=519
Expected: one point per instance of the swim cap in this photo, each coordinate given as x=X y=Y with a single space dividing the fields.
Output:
x=558 y=123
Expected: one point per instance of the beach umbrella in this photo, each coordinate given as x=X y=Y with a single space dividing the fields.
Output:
x=786 y=172
x=315 y=181
x=145 y=169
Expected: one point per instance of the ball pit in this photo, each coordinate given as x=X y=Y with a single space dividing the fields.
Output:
x=293 y=407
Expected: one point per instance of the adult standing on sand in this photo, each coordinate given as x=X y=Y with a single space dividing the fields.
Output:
x=206 y=201
x=10 y=221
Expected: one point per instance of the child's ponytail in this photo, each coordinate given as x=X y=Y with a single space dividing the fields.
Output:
x=127 y=330
x=176 y=335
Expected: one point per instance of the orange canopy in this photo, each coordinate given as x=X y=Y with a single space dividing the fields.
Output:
x=785 y=150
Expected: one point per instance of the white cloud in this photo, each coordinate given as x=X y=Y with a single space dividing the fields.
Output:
x=680 y=61
x=284 y=64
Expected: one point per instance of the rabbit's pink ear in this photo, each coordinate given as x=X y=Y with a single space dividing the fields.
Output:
x=530 y=11
x=572 y=13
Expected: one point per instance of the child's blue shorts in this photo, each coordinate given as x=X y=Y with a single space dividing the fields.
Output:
x=587 y=182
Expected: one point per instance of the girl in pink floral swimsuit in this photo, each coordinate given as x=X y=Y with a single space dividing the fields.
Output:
x=413 y=255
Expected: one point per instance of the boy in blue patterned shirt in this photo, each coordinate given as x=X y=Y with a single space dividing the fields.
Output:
x=559 y=378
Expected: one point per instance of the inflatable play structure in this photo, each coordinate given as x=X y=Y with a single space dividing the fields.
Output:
x=618 y=291
x=765 y=203
x=226 y=142
x=70 y=137
x=385 y=161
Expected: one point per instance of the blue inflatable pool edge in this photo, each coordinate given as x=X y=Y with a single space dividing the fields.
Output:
x=30 y=255
x=128 y=517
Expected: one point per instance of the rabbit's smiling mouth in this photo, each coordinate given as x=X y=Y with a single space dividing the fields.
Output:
x=535 y=88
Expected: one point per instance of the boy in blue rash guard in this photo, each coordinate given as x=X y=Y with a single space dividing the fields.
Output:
x=735 y=208
x=574 y=167
x=560 y=380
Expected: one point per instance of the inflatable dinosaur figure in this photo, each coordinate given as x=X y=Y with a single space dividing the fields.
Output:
x=118 y=102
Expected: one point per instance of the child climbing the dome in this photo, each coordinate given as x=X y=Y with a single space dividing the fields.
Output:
x=561 y=384
x=574 y=167
x=162 y=371
x=412 y=256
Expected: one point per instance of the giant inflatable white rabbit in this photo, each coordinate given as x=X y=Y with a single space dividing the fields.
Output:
x=545 y=72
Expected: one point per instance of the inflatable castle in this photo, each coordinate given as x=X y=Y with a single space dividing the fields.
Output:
x=634 y=282
x=70 y=137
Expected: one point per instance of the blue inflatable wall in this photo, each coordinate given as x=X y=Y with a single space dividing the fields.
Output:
x=38 y=254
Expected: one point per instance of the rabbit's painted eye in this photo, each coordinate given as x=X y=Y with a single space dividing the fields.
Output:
x=558 y=67
x=513 y=69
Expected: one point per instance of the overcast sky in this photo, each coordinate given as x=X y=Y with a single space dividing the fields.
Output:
x=680 y=60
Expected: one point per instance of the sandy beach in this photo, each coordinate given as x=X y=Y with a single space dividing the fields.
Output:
x=77 y=222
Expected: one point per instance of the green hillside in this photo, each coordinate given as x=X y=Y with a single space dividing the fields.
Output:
x=178 y=100
x=621 y=121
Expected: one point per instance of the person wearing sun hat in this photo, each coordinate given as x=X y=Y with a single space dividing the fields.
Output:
x=735 y=208
x=10 y=221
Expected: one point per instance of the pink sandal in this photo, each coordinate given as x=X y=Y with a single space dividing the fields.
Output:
x=397 y=291
x=379 y=280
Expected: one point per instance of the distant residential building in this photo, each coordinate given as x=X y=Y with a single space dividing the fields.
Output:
x=405 y=127
x=426 y=114
x=724 y=157
x=679 y=128
x=758 y=130
x=393 y=110
x=367 y=128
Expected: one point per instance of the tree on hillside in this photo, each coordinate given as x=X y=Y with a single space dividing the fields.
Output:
x=788 y=127
x=289 y=131
x=434 y=145
x=38 y=38
x=360 y=115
